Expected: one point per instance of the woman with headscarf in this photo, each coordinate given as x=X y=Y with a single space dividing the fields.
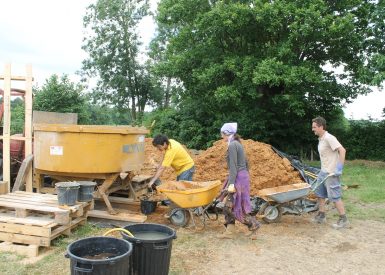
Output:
x=237 y=186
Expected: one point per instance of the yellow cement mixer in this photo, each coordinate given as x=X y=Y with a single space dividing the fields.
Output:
x=88 y=152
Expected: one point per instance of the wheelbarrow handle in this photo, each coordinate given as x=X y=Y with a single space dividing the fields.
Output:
x=318 y=184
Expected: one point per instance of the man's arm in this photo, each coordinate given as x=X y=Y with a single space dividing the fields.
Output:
x=342 y=153
x=157 y=175
x=341 y=159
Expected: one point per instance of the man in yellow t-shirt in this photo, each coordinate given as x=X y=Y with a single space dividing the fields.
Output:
x=175 y=156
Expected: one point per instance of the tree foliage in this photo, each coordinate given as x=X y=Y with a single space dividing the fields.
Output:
x=364 y=140
x=269 y=64
x=113 y=48
x=61 y=95
x=17 y=117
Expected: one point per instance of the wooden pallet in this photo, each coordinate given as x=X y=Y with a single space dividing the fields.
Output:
x=36 y=219
x=29 y=250
x=26 y=204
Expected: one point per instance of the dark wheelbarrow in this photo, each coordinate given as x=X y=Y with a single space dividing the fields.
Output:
x=278 y=197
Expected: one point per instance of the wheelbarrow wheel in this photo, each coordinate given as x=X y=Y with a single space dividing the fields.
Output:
x=271 y=213
x=179 y=217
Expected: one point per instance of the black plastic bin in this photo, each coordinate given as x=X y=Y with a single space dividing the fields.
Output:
x=147 y=206
x=100 y=255
x=86 y=190
x=151 y=256
x=67 y=192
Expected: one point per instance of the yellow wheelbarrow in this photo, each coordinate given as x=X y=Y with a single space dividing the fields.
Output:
x=191 y=199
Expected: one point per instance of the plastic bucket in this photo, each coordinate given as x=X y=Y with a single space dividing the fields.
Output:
x=86 y=190
x=152 y=248
x=100 y=255
x=67 y=192
x=147 y=206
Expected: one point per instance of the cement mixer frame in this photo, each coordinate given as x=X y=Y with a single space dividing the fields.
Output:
x=108 y=183
x=109 y=155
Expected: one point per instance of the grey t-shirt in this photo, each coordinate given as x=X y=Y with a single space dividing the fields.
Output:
x=236 y=160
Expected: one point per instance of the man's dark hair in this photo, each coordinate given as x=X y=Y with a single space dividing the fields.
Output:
x=160 y=140
x=320 y=121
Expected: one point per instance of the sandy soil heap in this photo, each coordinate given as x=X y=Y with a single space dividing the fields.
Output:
x=267 y=169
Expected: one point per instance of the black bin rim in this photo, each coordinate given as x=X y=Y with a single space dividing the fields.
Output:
x=69 y=254
x=148 y=227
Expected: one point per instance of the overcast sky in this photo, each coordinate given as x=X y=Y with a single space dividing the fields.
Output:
x=48 y=34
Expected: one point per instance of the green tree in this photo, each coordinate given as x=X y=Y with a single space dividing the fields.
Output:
x=61 y=95
x=268 y=64
x=17 y=117
x=113 y=48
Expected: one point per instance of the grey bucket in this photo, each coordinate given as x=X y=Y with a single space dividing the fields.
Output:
x=86 y=190
x=67 y=192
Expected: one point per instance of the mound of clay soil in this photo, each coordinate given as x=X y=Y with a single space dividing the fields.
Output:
x=267 y=168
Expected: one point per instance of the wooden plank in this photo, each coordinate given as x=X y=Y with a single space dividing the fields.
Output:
x=120 y=200
x=141 y=178
x=36 y=221
x=25 y=229
x=118 y=217
x=28 y=123
x=54 y=117
x=34 y=200
x=29 y=250
x=26 y=165
x=3 y=187
x=21 y=213
x=66 y=228
x=10 y=204
x=62 y=218
x=74 y=176
x=15 y=77
x=7 y=125
x=39 y=195
x=25 y=239
x=25 y=203
x=28 y=198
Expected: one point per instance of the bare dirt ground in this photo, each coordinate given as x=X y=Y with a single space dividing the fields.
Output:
x=293 y=246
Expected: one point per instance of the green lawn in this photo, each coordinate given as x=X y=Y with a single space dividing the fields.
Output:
x=367 y=201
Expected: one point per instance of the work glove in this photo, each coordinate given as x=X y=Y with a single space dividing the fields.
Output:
x=338 y=171
x=231 y=188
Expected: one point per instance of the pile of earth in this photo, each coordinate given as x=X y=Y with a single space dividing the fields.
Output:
x=266 y=167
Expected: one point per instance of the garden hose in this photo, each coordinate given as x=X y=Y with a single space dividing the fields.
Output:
x=119 y=229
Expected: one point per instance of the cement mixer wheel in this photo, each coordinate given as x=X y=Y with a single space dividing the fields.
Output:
x=271 y=213
x=179 y=216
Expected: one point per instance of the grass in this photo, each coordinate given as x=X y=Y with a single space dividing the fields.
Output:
x=367 y=201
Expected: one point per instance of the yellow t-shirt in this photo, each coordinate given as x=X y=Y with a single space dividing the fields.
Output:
x=177 y=157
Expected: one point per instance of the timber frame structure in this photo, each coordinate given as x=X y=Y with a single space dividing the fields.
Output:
x=6 y=136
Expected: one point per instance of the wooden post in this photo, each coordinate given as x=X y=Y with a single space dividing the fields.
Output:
x=28 y=124
x=6 y=136
x=7 y=126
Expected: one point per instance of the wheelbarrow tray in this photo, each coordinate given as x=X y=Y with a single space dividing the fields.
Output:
x=190 y=194
x=285 y=193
